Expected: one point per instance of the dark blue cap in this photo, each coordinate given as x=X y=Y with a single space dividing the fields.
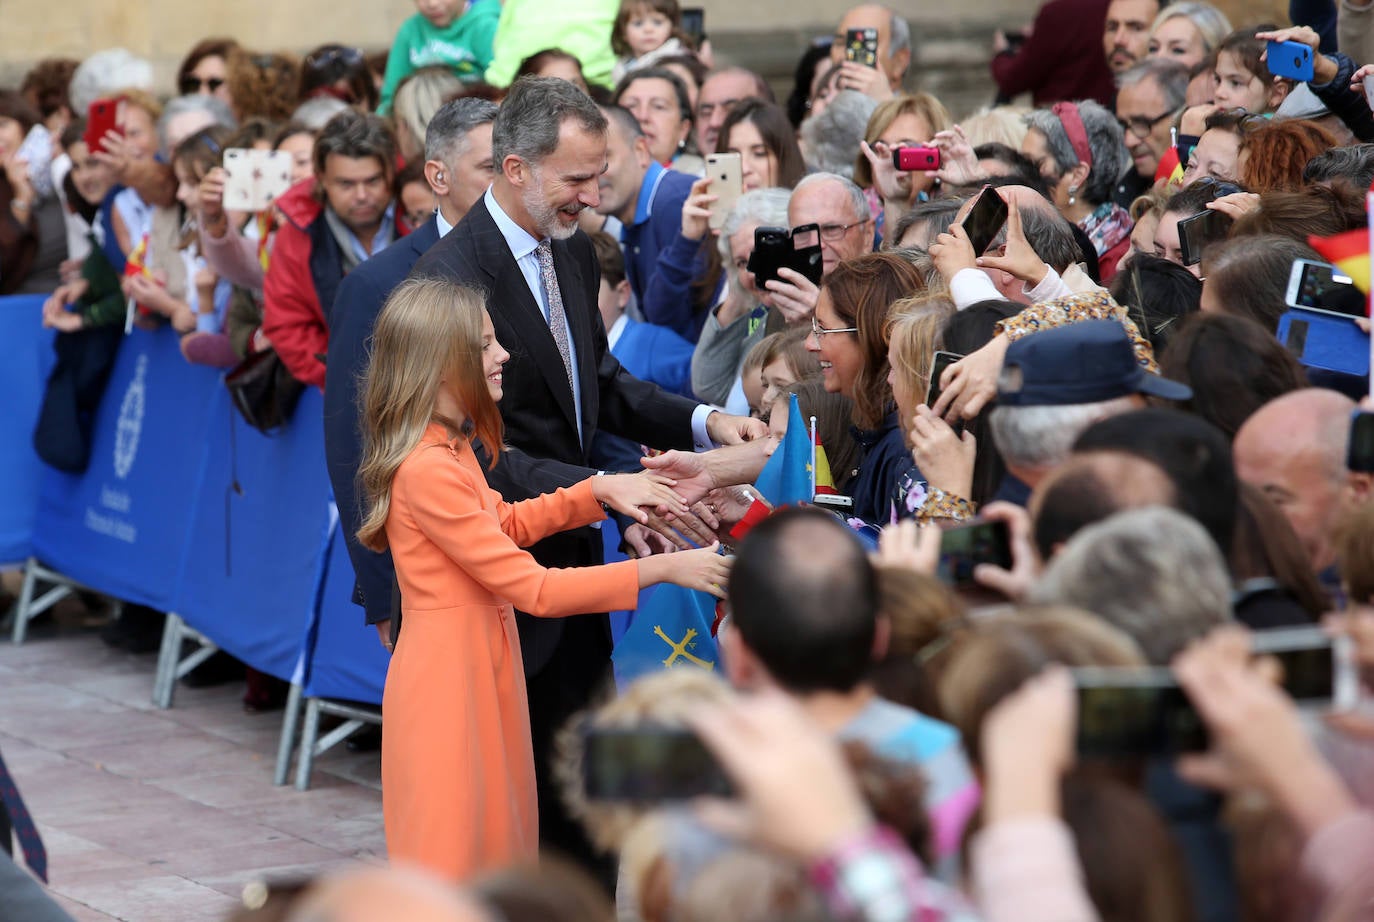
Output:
x=1085 y=362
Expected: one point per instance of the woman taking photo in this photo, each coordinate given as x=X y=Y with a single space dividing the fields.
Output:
x=457 y=762
x=769 y=156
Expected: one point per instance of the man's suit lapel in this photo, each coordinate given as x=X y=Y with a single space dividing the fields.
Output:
x=511 y=298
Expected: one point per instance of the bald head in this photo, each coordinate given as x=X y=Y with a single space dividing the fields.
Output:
x=386 y=893
x=894 y=39
x=1090 y=487
x=1293 y=448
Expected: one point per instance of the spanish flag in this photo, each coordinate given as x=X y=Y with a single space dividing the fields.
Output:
x=1348 y=252
x=136 y=263
x=821 y=480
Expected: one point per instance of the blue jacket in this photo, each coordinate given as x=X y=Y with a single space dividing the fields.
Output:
x=883 y=459
x=665 y=299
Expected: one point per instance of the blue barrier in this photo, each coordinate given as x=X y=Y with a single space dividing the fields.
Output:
x=343 y=657
x=121 y=527
x=258 y=536
x=29 y=356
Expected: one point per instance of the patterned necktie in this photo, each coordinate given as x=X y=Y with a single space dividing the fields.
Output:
x=35 y=856
x=558 y=318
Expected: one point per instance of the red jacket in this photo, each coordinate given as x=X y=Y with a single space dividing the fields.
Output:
x=302 y=279
x=1062 y=59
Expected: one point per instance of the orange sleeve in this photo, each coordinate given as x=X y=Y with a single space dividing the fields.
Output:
x=534 y=519
x=444 y=501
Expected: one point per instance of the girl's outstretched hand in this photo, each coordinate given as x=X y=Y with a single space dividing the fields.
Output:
x=703 y=569
x=628 y=493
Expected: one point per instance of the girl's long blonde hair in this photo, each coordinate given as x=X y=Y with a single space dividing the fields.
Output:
x=429 y=330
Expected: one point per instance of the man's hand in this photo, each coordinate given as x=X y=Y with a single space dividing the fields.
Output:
x=864 y=79
x=1025 y=564
x=1358 y=78
x=690 y=470
x=643 y=541
x=1017 y=257
x=384 y=634
x=793 y=294
x=728 y=429
x=683 y=529
x=971 y=383
x=945 y=457
x=952 y=252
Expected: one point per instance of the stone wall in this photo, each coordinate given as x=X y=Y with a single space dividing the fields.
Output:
x=951 y=49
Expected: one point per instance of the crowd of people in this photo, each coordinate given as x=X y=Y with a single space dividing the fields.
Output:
x=507 y=254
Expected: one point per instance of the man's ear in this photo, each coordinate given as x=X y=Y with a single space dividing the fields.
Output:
x=622 y=294
x=437 y=175
x=516 y=171
x=898 y=65
x=641 y=152
x=1361 y=487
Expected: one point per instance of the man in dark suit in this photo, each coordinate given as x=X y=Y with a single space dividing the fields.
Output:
x=458 y=168
x=521 y=246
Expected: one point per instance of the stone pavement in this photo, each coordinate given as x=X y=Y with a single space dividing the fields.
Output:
x=163 y=816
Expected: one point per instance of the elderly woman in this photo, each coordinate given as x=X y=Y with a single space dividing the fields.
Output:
x=1188 y=32
x=659 y=101
x=1079 y=150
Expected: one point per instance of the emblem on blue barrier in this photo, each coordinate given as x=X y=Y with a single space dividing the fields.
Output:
x=130 y=423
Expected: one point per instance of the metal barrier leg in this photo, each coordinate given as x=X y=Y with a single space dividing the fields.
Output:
x=165 y=680
x=290 y=720
x=21 y=608
x=305 y=762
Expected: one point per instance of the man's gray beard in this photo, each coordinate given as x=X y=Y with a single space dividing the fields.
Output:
x=544 y=216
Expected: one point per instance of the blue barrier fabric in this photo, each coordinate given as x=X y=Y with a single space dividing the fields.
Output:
x=28 y=359
x=121 y=527
x=343 y=656
x=258 y=535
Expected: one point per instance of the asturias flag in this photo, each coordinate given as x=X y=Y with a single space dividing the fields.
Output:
x=786 y=478
x=672 y=629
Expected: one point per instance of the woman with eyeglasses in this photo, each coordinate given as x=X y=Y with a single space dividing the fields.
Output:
x=849 y=338
x=206 y=69
x=340 y=72
x=1080 y=151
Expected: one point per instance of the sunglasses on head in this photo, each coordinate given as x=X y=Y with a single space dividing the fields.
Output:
x=191 y=84
x=328 y=57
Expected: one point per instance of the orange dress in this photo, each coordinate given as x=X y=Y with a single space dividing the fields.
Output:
x=458 y=794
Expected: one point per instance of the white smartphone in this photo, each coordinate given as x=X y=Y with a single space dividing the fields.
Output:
x=1318 y=286
x=727 y=185
x=254 y=178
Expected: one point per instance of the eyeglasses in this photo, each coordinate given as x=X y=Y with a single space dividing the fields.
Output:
x=326 y=57
x=1140 y=126
x=191 y=84
x=834 y=232
x=820 y=331
x=1220 y=187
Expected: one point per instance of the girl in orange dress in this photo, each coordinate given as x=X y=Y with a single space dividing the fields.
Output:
x=458 y=792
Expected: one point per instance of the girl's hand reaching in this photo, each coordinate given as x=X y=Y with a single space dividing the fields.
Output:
x=703 y=569
x=627 y=493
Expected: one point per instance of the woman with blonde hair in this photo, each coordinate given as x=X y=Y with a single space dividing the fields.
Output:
x=418 y=97
x=913 y=335
x=457 y=761
x=909 y=120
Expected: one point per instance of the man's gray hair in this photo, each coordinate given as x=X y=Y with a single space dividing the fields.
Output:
x=764 y=207
x=831 y=139
x=1152 y=572
x=532 y=116
x=1040 y=437
x=900 y=31
x=1169 y=75
x=856 y=195
x=1049 y=234
x=316 y=113
x=1106 y=144
x=447 y=133
x=194 y=102
x=105 y=72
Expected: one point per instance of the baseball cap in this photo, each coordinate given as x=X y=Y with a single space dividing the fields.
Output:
x=1085 y=362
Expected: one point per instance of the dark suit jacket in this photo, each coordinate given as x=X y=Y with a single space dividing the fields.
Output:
x=360 y=298
x=537 y=407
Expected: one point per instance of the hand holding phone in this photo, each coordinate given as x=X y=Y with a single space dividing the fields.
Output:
x=1290 y=59
x=861 y=45
x=798 y=249
x=254 y=178
x=1135 y=713
x=1318 y=286
x=985 y=219
x=921 y=157
x=1196 y=232
x=727 y=185
x=966 y=545
x=103 y=116
x=649 y=764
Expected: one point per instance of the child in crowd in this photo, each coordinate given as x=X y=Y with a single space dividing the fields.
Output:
x=646 y=32
x=1242 y=78
x=784 y=361
x=414 y=193
x=455 y=33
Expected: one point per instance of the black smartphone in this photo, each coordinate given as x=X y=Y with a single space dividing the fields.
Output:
x=1318 y=286
x=941 y=362
x=861 y=45
x=1196 y=232
x=1124 y=712
x=694 y=24
x=985 y=220
x=1360 y=453
x=1314 y=667
x=965 y=546
x=777 y=248
x=649 y=764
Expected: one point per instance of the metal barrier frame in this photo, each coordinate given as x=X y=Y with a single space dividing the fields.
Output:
x=27 y=607
x=312 y=745
x=171 y=666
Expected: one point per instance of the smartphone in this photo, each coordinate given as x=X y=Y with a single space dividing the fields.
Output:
x=778 y=248
x=1014 y=41
x=861 y=45
x=923 y=158
x=1135 y=712
x=1315 y=667
x=727 y=185
x=941 y=362
x=965 y=546
x=649 y=764
x=1196 y=232
x=834 y=502
x=1318 y=286
x=103 y=116
x=1290 y=59
x=694 y=24
x=985 y=220
x=254 y=178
